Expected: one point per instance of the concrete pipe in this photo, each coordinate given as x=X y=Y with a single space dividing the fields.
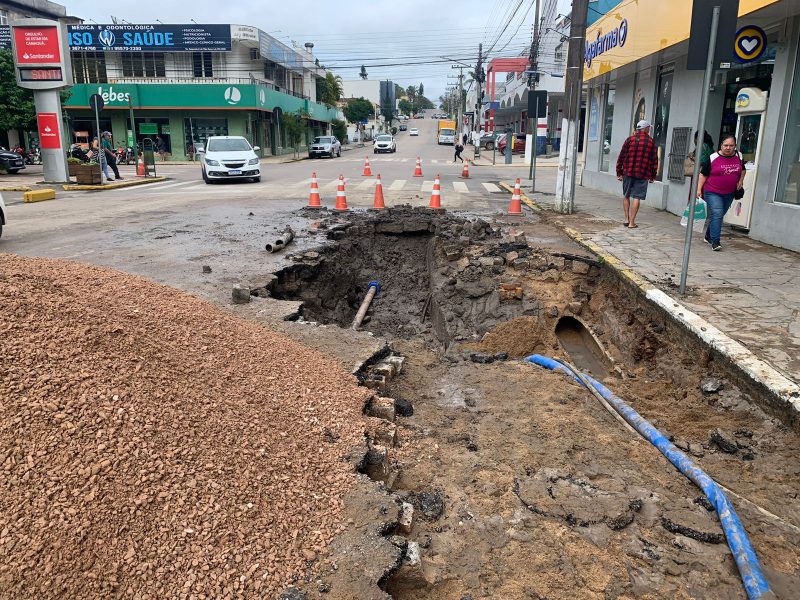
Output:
x=283 y=241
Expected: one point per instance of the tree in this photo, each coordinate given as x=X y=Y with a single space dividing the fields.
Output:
x=357 y=110
x=17 y=110
x=424 y=103
x=339 y=129
x=295 y=125
x=406 y=107
x=329 y=90
x=363 y=73
x=421 y=89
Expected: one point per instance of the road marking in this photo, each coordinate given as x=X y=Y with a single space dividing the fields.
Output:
x=491 y=188
x=366 y=184
x=460 y=187
x=397 y=185
x=427 y=186
x=144 y=185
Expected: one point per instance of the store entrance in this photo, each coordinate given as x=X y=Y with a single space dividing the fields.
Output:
x=742 y=76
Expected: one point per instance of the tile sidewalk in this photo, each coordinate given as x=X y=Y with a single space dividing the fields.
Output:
x=749 y=290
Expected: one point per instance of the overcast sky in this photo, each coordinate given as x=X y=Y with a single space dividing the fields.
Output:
x=385 y=36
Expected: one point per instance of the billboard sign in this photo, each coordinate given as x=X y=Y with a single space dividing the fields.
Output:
x=37 y=45
x=153 y=38
x=48 y=131
x=41 y=56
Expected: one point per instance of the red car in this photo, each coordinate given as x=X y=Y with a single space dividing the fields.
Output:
x=519 y=143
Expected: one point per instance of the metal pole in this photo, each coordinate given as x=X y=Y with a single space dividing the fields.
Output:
x=101 y=156
x=533 y=149
x=133 y=127
x=532 y=80
x=701 y=127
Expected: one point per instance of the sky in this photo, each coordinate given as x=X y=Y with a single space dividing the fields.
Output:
x=410 y=42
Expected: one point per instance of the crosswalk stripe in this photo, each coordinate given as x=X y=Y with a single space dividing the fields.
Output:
x=460 y=187
x=491 y=188
x=366 y=184
x=397 y=185
x=427 y=186
x=145 y=185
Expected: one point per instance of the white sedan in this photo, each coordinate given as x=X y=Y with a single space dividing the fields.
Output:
x=229 y=157
x=413 y=131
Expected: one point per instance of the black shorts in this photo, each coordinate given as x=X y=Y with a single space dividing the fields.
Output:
x=634 y=188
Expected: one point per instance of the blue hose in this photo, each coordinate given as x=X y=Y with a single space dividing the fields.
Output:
x=755 y=584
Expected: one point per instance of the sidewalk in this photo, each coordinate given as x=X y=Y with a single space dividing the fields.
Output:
x=517 y=160
x=749 y=290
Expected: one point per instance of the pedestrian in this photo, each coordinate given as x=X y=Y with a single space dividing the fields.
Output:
x=161 y=148
x=459 y=149
x=99 y=156
x=110 y=157
x=464 y=138
x=637 y=165
x=721 y=179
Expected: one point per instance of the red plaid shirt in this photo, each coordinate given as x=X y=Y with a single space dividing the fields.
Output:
x=638 y=157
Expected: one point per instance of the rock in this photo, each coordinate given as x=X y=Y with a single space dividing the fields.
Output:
x=486 y=261
x=511 y=256
x=240 y=294
x=682 y=445
x=699 y=525
x=481 y=358
x=406 y=519
x=430 y=505
x=580 y=267
x=403 y=407
x=711 y=385
x=575 y=307
x=552 y=312
x=696 y=450
x=292 y=593
x=501 y=356
x=383 y=408
x=308 y=554
x=206 y=269
x=723 y=443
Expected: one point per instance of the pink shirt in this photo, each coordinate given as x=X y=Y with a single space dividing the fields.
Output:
x=722 y=173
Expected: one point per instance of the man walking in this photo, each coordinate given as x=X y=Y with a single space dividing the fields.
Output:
x=637 y=165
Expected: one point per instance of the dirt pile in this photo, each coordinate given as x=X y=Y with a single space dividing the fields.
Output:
x=154 y=445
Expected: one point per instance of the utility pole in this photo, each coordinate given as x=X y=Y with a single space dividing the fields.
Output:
x=533 y=79
x=479 y=102
x=459 y=108
x=568 y=154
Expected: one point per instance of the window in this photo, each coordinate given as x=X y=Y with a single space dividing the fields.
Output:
x=144 y=64
x=89 y=67
x=788 y=190
x=559 y=57
x=608 y=123
x=661 y=116
x=202 y=63
x=199 y=130
x=3 y=17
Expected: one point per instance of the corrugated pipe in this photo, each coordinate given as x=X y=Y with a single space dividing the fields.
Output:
x=755 y=584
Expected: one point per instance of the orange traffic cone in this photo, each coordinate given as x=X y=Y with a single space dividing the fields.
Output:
x=341 y=199
x=465 y=170
x=313 y=197
x=515 y=207
x=436 y=195
x=367 y=171
x=140 y=168
x=378 y=203
x=418 y=169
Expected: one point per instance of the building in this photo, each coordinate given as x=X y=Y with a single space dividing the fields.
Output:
x=636 y=67
x=24 y=9
x=381 y=93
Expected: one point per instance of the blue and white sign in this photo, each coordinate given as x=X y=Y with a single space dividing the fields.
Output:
x=614 y=38
x=154 y=38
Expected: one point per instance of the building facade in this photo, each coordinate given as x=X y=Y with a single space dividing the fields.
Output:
x=636 y=68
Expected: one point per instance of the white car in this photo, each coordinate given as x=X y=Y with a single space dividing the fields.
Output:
x=384 y=143
x=2 y=214
x=413 y=131
x=229 y=157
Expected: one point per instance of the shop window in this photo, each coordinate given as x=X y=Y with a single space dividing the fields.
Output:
x=3 y=17
x=203 y=64
x=788 y=190
x=661 y=116
x=199 y=130
x=608 y=124
x=144 y=64
x=89 y=67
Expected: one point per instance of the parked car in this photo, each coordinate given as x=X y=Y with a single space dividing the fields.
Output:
x=519 y=143
x=229 y=157
x=325 y=145
x=384 y=143
x=413 y=131
x=403 y=127
x=11 y=162
x=489 y=139
x=2 y=214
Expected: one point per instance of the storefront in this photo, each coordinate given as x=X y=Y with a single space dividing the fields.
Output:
x=183 y=116
x=635 y=68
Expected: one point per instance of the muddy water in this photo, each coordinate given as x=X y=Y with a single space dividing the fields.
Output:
x=543 y=495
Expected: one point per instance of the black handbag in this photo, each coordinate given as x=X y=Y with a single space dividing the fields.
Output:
x=738 y=194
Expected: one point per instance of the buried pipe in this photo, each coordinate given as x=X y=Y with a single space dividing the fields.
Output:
x=755 y=584
x=374 y=288
x=283 y=241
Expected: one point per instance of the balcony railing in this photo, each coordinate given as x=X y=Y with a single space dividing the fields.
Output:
x=202 y=80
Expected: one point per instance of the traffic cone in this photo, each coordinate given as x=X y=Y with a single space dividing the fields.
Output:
x=313 y=197
x=140 y=168
x=341 y=199
x=515 y=207
x=378 y=203
x=436 y=195
x=367 y=171
x=418 y=168
x=465 y=170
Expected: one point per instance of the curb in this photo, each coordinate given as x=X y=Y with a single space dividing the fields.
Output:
x=786 y=391
x=505 y=166
x=112 y=186
x=525 y=200
x=16 y=188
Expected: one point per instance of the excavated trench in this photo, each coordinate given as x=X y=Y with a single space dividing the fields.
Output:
x=510 y=481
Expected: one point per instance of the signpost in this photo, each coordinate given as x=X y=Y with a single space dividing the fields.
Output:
x=97 y=104
x=42 y=64
x=722 y=28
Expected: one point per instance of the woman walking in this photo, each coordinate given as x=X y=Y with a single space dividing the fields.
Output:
x=720 y=178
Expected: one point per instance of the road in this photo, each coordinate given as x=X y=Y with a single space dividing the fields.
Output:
x=166 y=231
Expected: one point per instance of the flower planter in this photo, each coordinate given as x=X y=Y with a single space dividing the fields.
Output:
x=86 y=174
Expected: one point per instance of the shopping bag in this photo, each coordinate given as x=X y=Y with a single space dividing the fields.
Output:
x=699 y=215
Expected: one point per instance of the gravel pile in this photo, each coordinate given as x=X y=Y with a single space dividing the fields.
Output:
x=154 y=446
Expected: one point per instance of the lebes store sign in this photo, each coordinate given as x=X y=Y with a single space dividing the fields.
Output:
x=37 y=46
